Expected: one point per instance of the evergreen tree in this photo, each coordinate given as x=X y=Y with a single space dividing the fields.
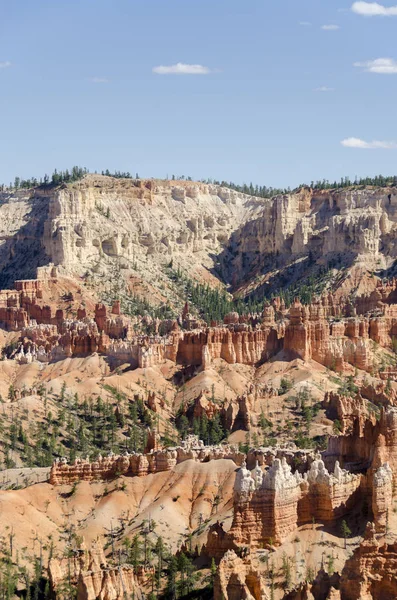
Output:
x=345 y=531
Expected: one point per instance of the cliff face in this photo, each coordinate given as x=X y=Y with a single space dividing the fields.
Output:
x=146 y=223
x=93 y=224
x=141 y=225
x=355 y=224
x=22 y=218
x=99 y=222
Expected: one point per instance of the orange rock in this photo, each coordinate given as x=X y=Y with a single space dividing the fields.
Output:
x=371 y=571
x=94 y=578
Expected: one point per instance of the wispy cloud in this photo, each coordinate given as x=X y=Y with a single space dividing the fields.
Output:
x=373 y=9
x=181 y=69
x=304 y=23
x=5 y=64
x=324 y=89
x=99 y=80
x=353 y=142
x=330 y=27
x=383 y=66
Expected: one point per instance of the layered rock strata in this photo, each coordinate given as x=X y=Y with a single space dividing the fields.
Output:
x=269 y=506
x=237 y=579
x=139 y=465
x=88 y=572
x=306 y=332
x=370 y=574
x=323 y=331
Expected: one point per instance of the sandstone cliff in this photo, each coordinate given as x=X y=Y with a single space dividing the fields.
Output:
x=350 y=225
x=139 y=226
x=92 y=225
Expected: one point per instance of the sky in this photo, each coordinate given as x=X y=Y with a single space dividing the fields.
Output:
x=277 y=92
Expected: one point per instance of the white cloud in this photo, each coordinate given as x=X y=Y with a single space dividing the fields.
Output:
x=353 y=142
x=324 y=89
x=99 y=80
x=373 y=9
x=5 y=64
x=384 y=66
x=330 y=27
x=304 y=23
x=181 y=69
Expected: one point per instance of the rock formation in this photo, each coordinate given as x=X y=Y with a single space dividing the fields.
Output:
x=236 y=579
x=371 y=572
x=140 y=465
x=269 y=506
x=99 y=239
x=89 y=572
x=321 y=222
x=307 y=332
x=382 y=496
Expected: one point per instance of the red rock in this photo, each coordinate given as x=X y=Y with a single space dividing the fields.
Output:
x=371 y=571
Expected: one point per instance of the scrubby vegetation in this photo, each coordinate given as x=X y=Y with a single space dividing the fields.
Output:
x=56 y=178
x=77 y=427
x=260 y=191
x=263 y=191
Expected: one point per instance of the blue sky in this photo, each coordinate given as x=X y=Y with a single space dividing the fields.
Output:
x=77 y=86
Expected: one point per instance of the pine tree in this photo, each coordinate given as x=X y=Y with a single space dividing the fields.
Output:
x=213 y=572
x=136 y=552
x=171 y=577
x=345 y=531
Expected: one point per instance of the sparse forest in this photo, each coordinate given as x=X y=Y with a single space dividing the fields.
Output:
x=260 y=191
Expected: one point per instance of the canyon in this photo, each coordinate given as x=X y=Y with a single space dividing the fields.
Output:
x=93 y=226
x=198 y=391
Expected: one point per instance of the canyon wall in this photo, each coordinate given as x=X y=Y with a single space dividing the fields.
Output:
x=323 y=331
x=99 y=223
x=271 y=502
x=156 y=218
x=352 y=223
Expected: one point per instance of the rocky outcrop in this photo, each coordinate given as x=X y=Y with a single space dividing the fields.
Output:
x=269 y=506
x=349 y=411
x=368 y=444
x=370 y=574
x=382 y=497
x=247 y=347
x=312 y=334
x=89 y=572
x=311 y=223
x=139 y=465
x=330 y=496
x=236 y=579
